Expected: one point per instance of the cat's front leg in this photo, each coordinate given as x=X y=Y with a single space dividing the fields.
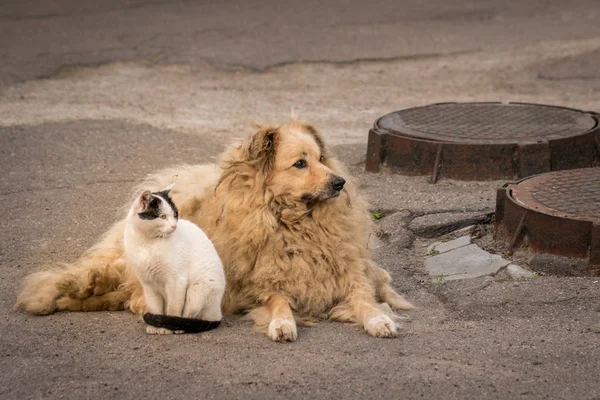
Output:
x=175 y=295
x=153 y=330
x=155 y=305
x=154 y=301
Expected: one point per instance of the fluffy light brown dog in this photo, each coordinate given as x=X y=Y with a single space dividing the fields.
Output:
x=288 y=224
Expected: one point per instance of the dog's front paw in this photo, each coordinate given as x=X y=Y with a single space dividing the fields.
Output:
x=381 y=326
x=282 y=330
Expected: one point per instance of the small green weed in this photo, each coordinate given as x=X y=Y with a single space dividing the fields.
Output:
x=433 y=252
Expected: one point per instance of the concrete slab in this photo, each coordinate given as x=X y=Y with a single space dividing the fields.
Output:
x=434 y=225
x=444 y=247
x=516 y=272
x=465 y=262
x=467 y=230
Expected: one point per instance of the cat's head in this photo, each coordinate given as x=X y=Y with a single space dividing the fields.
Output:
x=154 y=213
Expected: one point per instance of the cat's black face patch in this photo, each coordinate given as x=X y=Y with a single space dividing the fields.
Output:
x=165 y=196
x=152 y=210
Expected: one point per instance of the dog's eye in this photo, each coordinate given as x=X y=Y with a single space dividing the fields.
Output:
x=321 y=158
x=300 y=164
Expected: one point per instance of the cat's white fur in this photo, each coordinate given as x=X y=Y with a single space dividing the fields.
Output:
x=177 y=264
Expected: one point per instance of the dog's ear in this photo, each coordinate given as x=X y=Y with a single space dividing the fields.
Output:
x=256 y=125
x=318 y=138
x=262 y=146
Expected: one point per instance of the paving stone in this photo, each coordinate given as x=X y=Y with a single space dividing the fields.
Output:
x=434 y=225
x=444 y=247
x=465 y=262
x=517 y=272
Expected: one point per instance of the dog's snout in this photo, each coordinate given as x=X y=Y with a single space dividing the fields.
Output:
x=338 y=183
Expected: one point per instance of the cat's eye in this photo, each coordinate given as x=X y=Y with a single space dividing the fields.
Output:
x=300 y=164
x=321 y=158
x=163 y=217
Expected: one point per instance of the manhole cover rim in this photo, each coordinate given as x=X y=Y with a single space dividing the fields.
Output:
x=520 y=193
x=593 y=119
x=527 y=152
x=557 y=233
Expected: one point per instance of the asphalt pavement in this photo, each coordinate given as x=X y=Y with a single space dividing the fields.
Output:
x=94 y=95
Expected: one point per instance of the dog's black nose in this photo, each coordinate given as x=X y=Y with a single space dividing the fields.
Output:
x=338 y=183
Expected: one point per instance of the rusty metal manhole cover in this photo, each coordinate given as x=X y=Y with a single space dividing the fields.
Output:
x=484 y=141
x=555 y=212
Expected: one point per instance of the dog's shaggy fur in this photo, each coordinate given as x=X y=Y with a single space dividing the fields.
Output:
x=295 y=248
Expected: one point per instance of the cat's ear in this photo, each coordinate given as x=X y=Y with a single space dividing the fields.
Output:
x=146 y=198
x=168 y=189
x=262 y=147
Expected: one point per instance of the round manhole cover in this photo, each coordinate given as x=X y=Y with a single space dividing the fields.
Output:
x=483 y=141
x=556 y=213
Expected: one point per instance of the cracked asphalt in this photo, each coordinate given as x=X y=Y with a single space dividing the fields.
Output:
x=94 y=95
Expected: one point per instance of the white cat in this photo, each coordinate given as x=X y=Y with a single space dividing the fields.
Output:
x=176 y=263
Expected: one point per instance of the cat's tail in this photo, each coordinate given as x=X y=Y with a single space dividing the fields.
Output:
x=188 y=325
x=100 y=272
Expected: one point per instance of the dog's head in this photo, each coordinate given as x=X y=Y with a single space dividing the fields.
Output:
x=295 y=162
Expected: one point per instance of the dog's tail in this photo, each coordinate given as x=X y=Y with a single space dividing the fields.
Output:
x=113 y=301
x=97 y=274
x=385 y=292
x=390 y=296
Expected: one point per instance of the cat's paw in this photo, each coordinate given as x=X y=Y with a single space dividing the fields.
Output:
x=282 y=330
x=152 y=330
x=381 y=326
